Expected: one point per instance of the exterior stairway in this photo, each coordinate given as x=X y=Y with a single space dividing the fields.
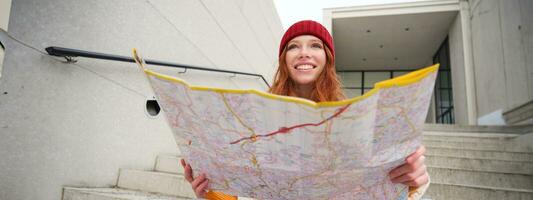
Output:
x=166 y=182
x=478 y=162
x=463 y=163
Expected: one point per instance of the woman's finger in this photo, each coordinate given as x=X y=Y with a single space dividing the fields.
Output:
x=201 y=189
x=408 y=167
x=183 y=163
x=421 y=171
x=421 y=180
x=188 y=173
x=414 y=156
x=197 y=181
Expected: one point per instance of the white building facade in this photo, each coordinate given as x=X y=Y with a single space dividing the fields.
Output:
x=484 y=47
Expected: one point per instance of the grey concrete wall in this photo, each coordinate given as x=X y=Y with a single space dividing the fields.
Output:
x=457 y=61
x=76 y=124
x=526 y=12
x=502 y=48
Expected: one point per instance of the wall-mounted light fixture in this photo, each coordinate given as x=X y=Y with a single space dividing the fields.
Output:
x=152 y=107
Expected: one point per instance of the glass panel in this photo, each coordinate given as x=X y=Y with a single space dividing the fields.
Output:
x=445 y=98
x=442 y=110
x=451 y=96
x=352 y=93
x=366 y=90
x=373 y=77
x=396 y=74
x=444 y=78
x=443 y=88
x=449 y=79
x=351 y=79
x=442 y=59
x=437 y=112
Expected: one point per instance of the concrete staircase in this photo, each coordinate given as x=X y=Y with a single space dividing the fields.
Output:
x=166 y=182
x=463 y=163
x=478 y=163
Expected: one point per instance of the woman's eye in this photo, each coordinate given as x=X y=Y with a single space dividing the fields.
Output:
x=316 y=45
x=292 y=46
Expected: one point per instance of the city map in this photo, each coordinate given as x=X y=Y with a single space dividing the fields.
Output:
x=254 y=144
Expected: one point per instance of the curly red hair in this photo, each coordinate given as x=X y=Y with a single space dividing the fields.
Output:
x=327 y=87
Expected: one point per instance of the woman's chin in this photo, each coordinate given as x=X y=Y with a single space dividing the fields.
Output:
x=304 y=81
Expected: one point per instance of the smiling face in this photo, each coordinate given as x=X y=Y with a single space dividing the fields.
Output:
x=305 y=58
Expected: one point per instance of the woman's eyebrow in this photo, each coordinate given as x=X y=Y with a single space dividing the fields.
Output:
x=293 y=43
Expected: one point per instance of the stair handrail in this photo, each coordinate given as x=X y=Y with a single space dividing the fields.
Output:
x=69 y=53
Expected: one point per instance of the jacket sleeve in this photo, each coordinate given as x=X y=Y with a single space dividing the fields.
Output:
x=211 y=195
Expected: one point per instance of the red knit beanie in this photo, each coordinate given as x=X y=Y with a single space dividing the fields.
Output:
x=307 y=27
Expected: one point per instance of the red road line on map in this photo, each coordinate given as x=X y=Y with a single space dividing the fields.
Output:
x=284 y=130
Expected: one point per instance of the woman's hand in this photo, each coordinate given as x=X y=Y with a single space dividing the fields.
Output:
x=413 y=172
x=199 y=184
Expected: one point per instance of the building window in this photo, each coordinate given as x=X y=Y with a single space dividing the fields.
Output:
x=443 y=86
x=358 y=82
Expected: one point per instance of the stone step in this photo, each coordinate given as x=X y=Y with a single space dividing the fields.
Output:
x=480 y=154
x=466 y=129
x=467 y=139
x=472 y=134
x=168 y=164
x=72 y=193
x=496 y=146
x=474 y=140
x=488 y=179
x=438 y=191
x=156 y=182
x=486 y=165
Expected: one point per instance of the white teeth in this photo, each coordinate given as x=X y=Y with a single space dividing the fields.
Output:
x=304 y=67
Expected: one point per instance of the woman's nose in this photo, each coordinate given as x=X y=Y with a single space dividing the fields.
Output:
x=304 y=52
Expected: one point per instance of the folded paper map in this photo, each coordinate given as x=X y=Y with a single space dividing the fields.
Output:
x=255 y=144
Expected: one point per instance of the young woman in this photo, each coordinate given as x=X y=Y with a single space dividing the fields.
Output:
x=307 y=70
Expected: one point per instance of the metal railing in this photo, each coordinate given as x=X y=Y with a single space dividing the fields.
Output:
x=69 y=53
x=446 y=115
